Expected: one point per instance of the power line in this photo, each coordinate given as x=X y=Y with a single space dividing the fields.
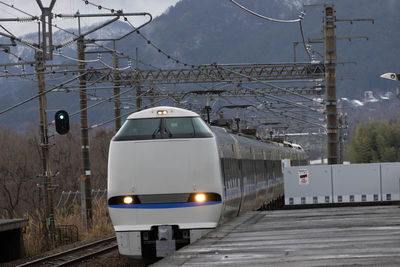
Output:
x=40 y=94
x=301 y=16
x=69 y=32
x=304 y=44
x=148 y=41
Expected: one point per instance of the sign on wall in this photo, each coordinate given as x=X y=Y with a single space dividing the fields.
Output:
x=303 y=177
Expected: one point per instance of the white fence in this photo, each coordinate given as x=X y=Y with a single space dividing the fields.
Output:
x=319 y=184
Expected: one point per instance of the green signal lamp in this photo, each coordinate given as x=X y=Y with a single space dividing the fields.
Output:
x=62 y=122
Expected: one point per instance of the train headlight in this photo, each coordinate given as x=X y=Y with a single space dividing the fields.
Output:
x=128 y=200
x=162 y=112
x=200 y=197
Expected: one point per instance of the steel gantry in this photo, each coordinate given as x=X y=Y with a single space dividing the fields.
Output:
x=220 y=73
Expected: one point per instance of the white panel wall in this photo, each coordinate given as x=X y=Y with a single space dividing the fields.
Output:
x=390 y=181
x=356 y=182
x=342 y=183
x=318 y=189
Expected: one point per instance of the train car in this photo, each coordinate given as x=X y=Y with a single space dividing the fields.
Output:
x=171 y=178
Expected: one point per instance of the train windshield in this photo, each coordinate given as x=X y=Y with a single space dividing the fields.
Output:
x=163 y=128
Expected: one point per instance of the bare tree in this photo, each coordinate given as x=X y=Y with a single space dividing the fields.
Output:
x=18 y=170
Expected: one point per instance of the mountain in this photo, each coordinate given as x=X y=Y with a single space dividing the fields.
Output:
x=207 y=31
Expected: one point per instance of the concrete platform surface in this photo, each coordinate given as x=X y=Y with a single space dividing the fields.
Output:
x=356 y=236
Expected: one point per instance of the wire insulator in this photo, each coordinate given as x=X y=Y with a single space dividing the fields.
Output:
x=26 y=19
x=67 y=42
x=27 y=42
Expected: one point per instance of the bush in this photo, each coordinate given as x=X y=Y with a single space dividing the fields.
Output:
x=374 y=142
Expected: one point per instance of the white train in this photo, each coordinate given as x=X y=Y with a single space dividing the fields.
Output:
x=171 y=178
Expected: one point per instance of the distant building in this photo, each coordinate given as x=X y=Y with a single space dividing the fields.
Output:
x=369 y=97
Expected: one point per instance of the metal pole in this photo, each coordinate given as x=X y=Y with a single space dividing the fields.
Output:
x=208 y=108
x=341 y=139
x=117 y=103
x=85 y=178
x=330 y=79
x=152 y=98
x=138 y=90
x=49 y=226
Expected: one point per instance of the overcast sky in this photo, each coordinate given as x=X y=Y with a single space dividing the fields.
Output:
x=155 y=7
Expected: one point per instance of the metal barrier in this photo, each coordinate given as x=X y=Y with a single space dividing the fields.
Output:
x=66 y=234
x=322 y=184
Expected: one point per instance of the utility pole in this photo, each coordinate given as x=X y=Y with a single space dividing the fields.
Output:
x=46 y=52
x=117 y=102
x=49 y=226
x=329 y=40
x=86 y=196
x=330 y=83
x=138 y=90
x=343 y=124
x=152 y=98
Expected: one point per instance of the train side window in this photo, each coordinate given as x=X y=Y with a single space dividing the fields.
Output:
x=223 y=172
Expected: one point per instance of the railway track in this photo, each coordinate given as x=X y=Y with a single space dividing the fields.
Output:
x=76 y=255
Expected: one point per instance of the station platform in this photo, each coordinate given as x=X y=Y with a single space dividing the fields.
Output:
x=340 y=236
x=11 y=241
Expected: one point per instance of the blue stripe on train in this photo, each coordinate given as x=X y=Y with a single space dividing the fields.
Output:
x=165 y=205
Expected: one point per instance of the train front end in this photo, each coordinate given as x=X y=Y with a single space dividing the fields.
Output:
x=164 y=181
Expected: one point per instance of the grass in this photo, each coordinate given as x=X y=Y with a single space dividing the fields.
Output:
x=69 y=218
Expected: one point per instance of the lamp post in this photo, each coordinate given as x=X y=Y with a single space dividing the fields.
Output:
x=394 y=77
x=391 y=76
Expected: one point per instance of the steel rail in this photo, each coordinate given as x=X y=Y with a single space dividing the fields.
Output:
x=51 y=259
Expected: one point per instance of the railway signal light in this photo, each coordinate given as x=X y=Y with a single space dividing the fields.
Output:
x=62 y=122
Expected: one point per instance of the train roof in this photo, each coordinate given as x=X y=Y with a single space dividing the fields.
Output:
x=162 y=111
x=222 y=133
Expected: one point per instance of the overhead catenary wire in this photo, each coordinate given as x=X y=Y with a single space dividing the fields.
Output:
x=282 y=113
x=40 y=94
x=68 y=42
x=123 y=115
x=263 y=82
x=149 y=42
x=101 y=102
x=267 y=18
x=12 y=6
x=69 y=32
x=286 y=101
x=301 y=17
x=304 y=43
